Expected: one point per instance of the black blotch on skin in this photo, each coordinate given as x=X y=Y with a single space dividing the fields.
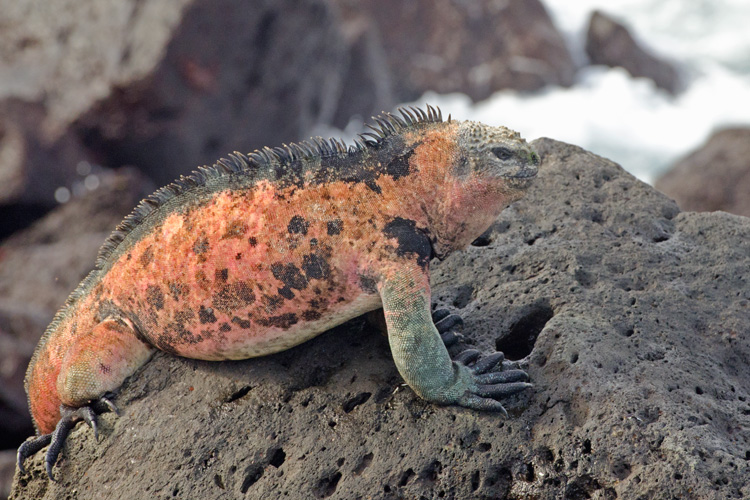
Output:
x=155 y=297
x=225 y=327
x=200 y=246
x=146 y=257
x=290 y=275
x=286 y=292
x=233 y=296
x=334 y=227
x=311 y=315
x=315 y=267
x=399 y=166
x=272 y=302
x=242 y=323
x=221 y=275
x=206 y=315
x=410 y=240
x=368 y=284
x=282 y=321
x=164 y=343
x=252 y=240
x=177 y=290
x=298 y=225
x=313 y=242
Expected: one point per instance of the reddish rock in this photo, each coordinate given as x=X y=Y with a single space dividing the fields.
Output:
x=611 y=44
x=472 y=47
x=714 y=177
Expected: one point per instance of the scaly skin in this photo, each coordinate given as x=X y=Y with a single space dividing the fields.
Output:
x=258 y=256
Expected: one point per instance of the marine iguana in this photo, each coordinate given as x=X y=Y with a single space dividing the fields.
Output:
x=261 y=252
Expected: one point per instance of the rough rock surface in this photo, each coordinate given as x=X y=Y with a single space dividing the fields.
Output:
x=611 y=44
x=476 y=48
x=714 y=177
x=633 y=314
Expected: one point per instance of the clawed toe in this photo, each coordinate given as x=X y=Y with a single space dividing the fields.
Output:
x=69 y=417
x=445 y=321
x=487 y=363
x=468 y=356
x=501 y=390
x=503 y=377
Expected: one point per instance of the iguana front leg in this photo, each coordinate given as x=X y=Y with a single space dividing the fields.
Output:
x=422 y=358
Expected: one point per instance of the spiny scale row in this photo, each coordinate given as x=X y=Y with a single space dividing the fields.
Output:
x=387 y=125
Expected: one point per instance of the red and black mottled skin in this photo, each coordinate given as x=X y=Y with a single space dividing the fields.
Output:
x=258 y=254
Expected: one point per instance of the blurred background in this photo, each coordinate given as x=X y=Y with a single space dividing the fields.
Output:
x=102 y=101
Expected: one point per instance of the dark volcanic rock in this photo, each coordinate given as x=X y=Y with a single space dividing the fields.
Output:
x=234 y=77
x=611 y=44
x=472 y=47
x=634 y=319
x=715 y=177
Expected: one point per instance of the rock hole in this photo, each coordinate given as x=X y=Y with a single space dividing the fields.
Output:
x=573 y=358
x=660 y=238
x=529 y=474
x=432 y=471
x=218 y=481
x=581 y=488
x=464 y=293
x=405 y=477
x=523 y=333
x=363 y=464
x=241 y=393
x=252 y=475
x=357 y=400
x=698 y=391
x=475 y=480
x=484 y=447
x=327 y=485
x=586 y=449
x=277 y=457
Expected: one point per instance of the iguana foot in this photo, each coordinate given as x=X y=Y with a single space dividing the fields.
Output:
x=485 y=379
x=69 y=417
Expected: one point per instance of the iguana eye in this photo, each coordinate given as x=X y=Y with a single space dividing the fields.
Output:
x=502 y=153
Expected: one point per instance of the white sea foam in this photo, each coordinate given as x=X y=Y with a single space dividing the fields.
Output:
x=628 y=119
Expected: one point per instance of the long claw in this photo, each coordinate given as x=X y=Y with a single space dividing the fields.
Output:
x=109 y=404
x=30 y=447
x=484 y=404
x=89 y=416
x=58 y=440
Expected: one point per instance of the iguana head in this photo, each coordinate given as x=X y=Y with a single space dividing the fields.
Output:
x=493 y=168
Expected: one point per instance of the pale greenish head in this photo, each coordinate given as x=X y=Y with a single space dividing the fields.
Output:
x=497 y=152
